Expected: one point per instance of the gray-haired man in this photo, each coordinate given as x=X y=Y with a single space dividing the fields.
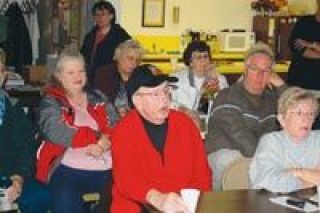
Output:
x=244 y=112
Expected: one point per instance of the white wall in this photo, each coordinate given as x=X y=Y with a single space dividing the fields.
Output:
x=205 y=15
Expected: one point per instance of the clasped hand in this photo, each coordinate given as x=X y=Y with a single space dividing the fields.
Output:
x=308 y=177
x=167 y=202
x=301 y=43
x=103 y=144
x=211 y=85
x=173 y=203
x=14 y=191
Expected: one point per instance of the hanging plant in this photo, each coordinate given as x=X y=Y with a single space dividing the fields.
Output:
x=268 y=5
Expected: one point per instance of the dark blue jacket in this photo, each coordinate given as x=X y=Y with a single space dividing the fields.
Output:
x=17 y=143
x=104 y=52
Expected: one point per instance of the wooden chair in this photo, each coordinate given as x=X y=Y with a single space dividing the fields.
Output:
x=236 y=175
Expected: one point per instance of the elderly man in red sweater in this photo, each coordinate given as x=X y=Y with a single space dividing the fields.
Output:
x=157 y=151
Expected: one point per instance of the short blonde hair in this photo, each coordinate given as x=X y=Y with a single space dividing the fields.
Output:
x=129 y=45
x=293 y=96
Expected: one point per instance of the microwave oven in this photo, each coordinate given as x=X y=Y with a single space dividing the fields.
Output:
x=235 y=41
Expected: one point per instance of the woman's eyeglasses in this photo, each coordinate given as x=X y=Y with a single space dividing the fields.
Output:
x=300 y=114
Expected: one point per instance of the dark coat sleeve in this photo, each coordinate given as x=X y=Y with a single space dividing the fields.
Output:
x=297 y=32
x=19 y=141
x=107 y=79
x=239 y=135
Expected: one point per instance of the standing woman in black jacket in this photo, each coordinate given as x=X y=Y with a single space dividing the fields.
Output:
x=99 y=44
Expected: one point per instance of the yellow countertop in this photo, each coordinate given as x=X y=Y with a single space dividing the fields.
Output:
x=237 y=68
x=227 y=56
x=165 y=52
x=215 y=56
x=169 y=63
x=161 y=56
x=223 y=68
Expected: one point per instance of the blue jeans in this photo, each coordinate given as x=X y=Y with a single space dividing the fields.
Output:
x=34 y=197
x=67 y=185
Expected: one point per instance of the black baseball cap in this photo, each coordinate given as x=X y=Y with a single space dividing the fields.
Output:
x=142 y=76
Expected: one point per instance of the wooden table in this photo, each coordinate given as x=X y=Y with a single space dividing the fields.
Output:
x=241 y=201
x=238 y=201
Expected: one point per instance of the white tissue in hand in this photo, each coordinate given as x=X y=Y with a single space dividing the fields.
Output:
x=5 y=204
x=190 y=197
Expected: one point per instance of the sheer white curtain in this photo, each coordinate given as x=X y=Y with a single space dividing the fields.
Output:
x=32 y=23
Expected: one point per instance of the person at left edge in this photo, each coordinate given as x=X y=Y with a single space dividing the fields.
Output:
x=100 y=43
x=17 y=156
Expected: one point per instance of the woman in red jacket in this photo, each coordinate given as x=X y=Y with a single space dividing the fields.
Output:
x=75 y=126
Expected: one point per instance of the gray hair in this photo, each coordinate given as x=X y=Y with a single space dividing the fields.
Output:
x=293 y=96
x=129 y=45
x=259 y=48
x=66 y=56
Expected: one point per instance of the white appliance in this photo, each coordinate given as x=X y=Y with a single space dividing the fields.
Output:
x=235 y=41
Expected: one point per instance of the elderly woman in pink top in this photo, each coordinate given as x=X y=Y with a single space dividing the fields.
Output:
x=75 y=124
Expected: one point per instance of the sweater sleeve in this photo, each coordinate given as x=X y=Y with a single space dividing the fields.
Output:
x=297 y=32
x=126 y=168
x=230 y=120
x=267 y=170
x=85 y=46
x=113 y=116
x=54 y=127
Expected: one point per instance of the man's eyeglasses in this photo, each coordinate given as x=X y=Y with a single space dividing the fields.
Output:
x=157 y=94
x=256 y=69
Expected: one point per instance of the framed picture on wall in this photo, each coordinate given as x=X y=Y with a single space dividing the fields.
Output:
x=153 y=13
